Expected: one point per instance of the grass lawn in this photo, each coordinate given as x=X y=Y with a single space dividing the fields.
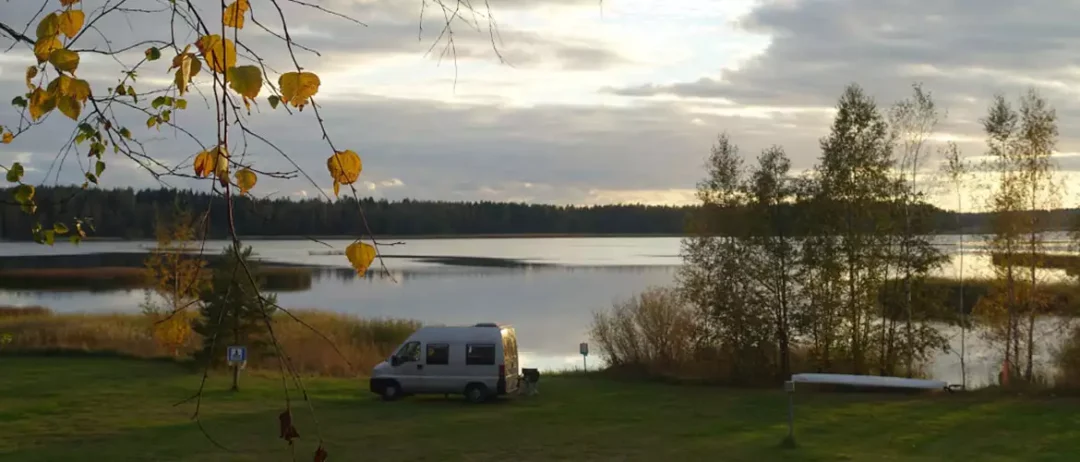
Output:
x=69 y=409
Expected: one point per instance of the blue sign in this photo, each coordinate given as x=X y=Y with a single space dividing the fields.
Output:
x=236 y=354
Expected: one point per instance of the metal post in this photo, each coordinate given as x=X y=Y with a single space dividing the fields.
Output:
x=789 y=442
x=585 y=363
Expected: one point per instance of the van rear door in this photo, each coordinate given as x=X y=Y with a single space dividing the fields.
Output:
x=510 y=359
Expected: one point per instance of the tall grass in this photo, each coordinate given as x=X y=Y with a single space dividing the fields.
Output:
x=352 y=346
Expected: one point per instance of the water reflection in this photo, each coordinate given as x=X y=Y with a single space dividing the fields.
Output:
x=551 y=306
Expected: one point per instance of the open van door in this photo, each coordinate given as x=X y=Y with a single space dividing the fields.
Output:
x=510 y=373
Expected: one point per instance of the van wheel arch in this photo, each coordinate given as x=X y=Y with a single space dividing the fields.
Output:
x=390 y=390
x=476 y=392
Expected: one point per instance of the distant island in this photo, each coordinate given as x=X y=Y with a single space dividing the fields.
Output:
x=126 y=213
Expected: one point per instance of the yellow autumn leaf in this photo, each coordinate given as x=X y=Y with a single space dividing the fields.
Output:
x=361 y=256
x=64 y=60
x=62 y=85
x=221 y=165
x=245 y=80
x=187 y=65
x=41 y=103
x=80 y=90
x=215 y=160
x=245 y=180
x=71 y=21
x=45 y=46
x=233 y=16
x=68 y=2
x=177 y=59
x=219 y=53
x=8 y=138
x=69 y=107
x=48 y=27
x=297 y=87
x=31 y=72
x=204 y=163
x=344 y=167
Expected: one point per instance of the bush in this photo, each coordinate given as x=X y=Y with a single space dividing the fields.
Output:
x=653 y=332
x=1068 y=362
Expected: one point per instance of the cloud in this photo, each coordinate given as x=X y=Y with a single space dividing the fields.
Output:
x=601 y=104
x=963 y=51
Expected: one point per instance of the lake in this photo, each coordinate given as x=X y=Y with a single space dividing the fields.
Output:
x=551 y=306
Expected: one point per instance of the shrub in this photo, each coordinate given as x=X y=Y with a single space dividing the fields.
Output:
x=653 y=332
x=1068 y=362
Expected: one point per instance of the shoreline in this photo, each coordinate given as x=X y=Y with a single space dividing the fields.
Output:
x=412 y=237
x=422 y=237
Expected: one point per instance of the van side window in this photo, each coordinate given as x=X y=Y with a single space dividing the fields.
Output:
x=409 y=352
x=479 y=354
x=438 y=353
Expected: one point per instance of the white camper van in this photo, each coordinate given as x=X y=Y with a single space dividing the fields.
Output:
x=478 y=361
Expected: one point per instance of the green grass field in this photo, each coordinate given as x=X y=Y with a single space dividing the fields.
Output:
x=69 y=409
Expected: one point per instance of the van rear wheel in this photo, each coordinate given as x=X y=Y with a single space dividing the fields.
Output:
x=476 y=393
x=390 y=391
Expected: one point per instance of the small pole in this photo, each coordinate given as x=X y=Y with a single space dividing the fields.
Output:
x=583 y=348
x=789 y=442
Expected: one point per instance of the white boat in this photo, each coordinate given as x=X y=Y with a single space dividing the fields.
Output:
x=870 y=381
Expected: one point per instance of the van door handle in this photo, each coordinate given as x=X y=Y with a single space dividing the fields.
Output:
x=419 y=366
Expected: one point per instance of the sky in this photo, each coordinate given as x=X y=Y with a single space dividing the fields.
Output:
x=576 y=101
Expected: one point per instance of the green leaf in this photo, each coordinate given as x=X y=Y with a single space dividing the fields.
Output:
x=181 y=104
x=124 y=132
x=151 y=121
x=50 y=236
x=274 y=101
x=75 y=239
x=245 y=80
x=28 y=208
x=97 y=149
x=99 y=167
x=24 y=193
x=60 y=228
x=153 y=54
x=166 y=115
x=19 y=101
x=91 y=178
x=160 y=100
x=15 y=173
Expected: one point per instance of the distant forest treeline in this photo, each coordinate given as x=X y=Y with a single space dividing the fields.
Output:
x=132 y=214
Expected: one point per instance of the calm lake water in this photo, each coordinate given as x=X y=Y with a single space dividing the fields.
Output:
x=550 y=306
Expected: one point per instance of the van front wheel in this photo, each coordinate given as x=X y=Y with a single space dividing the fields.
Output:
x=476 y=393
x=391 y=391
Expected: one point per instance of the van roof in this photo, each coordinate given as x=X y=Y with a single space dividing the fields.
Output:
x=461 y=333
x=474 y=326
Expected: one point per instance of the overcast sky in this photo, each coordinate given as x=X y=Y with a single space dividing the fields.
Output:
x=594 y=103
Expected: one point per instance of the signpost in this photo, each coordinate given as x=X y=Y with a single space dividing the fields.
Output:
x=584 y=349
x=236 y=355
x=789 y=387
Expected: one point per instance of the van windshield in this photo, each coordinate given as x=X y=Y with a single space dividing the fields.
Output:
x=409 y=352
